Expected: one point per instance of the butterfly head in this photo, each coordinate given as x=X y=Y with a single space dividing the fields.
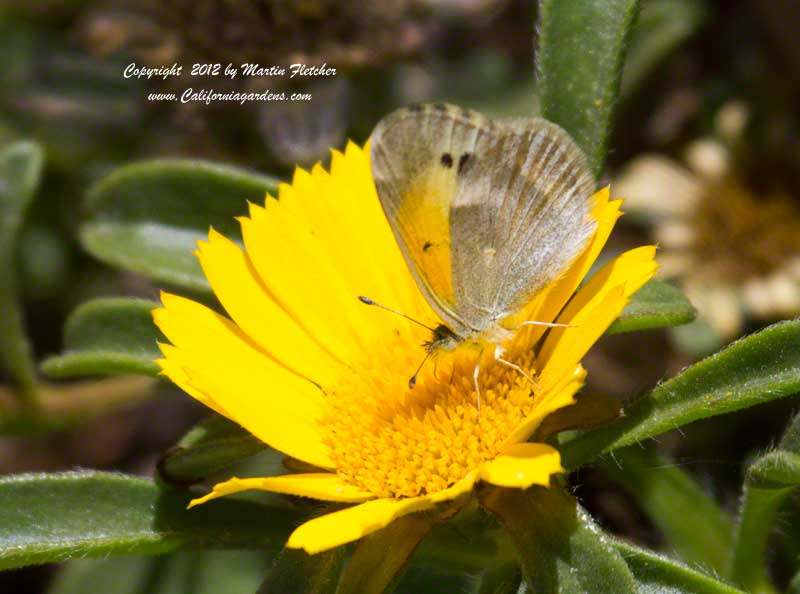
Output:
x=443 y=338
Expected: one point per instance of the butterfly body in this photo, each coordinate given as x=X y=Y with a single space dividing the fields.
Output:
x=486 y=212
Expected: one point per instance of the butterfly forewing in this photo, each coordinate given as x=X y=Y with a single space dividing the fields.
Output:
x=415 y=156
x=485 y=212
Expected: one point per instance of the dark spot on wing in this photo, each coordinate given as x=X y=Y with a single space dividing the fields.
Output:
x=426 y=246
x=447 y=160
x=416 y=107
x=463 y=161
x=440 y=107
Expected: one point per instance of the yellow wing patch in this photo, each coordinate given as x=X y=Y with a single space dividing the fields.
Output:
x=424 y=217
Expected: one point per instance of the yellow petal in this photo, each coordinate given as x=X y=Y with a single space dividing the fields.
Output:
x=214 y=361
x=272 y=416
x=592 y=310
x=630 y=270
x=565 y=347
x=522 y=465
x=347 y=525
x=558 y=396
x=236 y=285
x=308 y=296
x=323 y=485
x=331 y=227
x=205 y=340
x=174 y=370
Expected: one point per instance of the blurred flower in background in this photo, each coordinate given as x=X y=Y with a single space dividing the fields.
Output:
x=729 y=238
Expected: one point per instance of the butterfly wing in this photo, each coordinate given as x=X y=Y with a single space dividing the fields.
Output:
x=520 y=216
x=486 y=212
x=415 y=155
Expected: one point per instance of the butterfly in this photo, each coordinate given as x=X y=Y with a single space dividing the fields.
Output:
x=486 y=213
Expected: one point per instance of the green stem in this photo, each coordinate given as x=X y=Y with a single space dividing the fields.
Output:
x=20 y=171
x=758 y=511
x=15 y=350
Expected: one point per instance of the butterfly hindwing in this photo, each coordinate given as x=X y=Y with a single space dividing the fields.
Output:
x=519 y=218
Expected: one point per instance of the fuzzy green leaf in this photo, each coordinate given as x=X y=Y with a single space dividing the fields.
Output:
x=147 y=217
x=108 y=336
x=192 y=572
x=212 y=445
x=656 y=574
x=676 y=504
x=656 y=305
x=559 y=547
x=580 y=56
x=54 y=517
x=20 y=173
x=753 y=370
x=770 y=480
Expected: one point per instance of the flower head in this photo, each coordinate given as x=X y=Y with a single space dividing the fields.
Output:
x=313 y=372
x=732 y=244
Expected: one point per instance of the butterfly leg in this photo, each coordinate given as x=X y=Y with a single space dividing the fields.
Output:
x=548 y=324
x=498 y=356
x=475 y=374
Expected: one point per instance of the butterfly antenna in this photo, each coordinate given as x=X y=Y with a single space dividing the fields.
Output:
x=412 y=381
x=368 y=301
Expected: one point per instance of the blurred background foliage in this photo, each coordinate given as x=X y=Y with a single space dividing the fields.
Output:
x=706 y=145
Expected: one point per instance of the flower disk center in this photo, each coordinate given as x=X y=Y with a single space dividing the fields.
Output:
x=396 y=441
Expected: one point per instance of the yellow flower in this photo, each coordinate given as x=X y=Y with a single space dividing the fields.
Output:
x=306 y=367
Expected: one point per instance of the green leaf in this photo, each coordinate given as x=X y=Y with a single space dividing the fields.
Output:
x=464 y=543
x=676 y=504
x=753 y=370
x=20 y=172
x=656 y=305
x=195 y=572
x=588 y=410
x=54 y=517
x=212 y=445
x=381 y=557
x=297 y=572
x=108 y=336
x=561 y=550
x=661 y=27
x=770 y=480
x=656 y=574
x=147 y=217
x=121 y=575
x=579 y=57
x=63 y=406
x=435 y=580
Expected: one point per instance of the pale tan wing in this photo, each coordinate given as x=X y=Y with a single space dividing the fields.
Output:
x=521 y=215
x=416 y=155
